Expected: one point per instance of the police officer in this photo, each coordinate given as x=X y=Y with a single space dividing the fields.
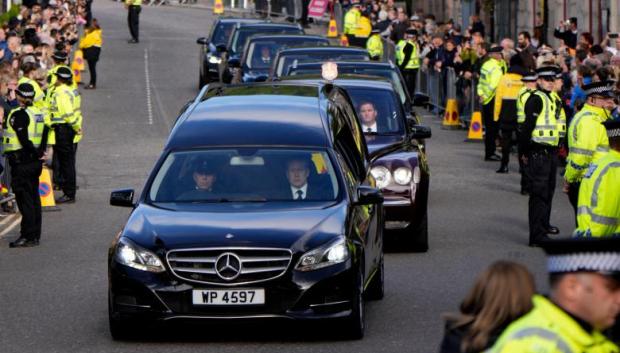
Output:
x=374 y=45
x=351 y=18
x=490 y=74
x=408 y=58
x=598 y=211
x=133 y=19
x=60 y=60
x=24 y=144
x=587 y=138
x=64 y=120
x=538 y=140
x=529 y=86
x=584 y=301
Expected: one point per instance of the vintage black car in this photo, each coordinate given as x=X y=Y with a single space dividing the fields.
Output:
x=396 y=143
x=262 y=205
x=293 y=56
x=212 y=45
x=241 y=33
x=260 y=50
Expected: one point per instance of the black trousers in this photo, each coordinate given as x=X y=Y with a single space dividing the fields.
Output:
x=133 y=20
x=573 y=197
x=509 y=137
x=25 y=185
x=304 y=11
x=65 y=152
x=541 y=171
x=490 y=128
x=92 y=70
x=410 y=78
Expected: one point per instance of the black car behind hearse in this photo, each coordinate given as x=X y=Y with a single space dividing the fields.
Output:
x=262 y=205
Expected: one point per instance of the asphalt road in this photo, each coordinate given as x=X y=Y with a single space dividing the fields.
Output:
x=53 y=297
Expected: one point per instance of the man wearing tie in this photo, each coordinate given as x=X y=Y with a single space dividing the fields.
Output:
x=368 y=116
x=297 y=173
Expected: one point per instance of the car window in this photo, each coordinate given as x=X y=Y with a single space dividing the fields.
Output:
x=245 y=175
x=222 y=33
x=378 y=110
x=285 y=61
x=241 y=35
x=261 y=53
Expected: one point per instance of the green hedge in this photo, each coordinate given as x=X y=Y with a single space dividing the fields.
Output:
x=13 y=12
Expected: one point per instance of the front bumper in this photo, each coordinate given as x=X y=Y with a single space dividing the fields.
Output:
x=322 y=294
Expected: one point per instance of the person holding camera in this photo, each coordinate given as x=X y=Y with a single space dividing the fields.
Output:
x=567 y=31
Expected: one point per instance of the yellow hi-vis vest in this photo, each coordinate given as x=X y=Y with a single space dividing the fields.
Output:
x=490 y=74
x=546 y=131
x=364 y=27
x=587 y=141
x=523 y=95
x=547 y=328
x=133 y=2
x=559 y=113
x=374 y=45
x=35 y=130
x=39 y=96
x=62 y=109
x=598 y=208
x=77 y=108
x=414 y=61
x=350 y=20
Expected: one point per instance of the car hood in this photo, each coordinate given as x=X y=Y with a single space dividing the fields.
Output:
x=379 y=142
x=236 y=225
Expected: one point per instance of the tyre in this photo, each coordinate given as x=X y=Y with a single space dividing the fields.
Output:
x=375 y=290
x=355 y=324
x=416 y=240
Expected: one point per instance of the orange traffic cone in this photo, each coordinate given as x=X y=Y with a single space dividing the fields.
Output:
x=475 y=128
x=332 y=30
x=78 y=57
x=218 y=8
x=46 y=191
x=451 y=117
x=344 y=40
x=77 y=74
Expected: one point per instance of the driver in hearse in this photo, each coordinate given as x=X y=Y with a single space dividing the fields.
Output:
x=204 y=177
x=368 y=117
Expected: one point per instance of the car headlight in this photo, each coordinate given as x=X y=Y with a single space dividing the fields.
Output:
x=130 y=254
x=214 y=59
x=382 y=176
x=402 y=175
x=333 y=253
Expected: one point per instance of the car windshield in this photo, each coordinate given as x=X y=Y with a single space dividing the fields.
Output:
x=261 y=53
x=241 y=35
x=245 y=175
x=222 y=32
x=287 y=60
x=379 y=110
x=392 y=75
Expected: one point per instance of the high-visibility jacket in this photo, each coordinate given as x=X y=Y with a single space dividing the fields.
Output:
x=77 y=108
x=547 y=130
x=51 y=76
x=559 y=113
x=35 y=130
x=91 y=39
x=62 y=109
x=133 y=2
x=364 y=27
x=587 y=141
x=351 y=19
x=374 y=45
x=39 y=96
x=414 y=60
x=548 y=329
x=508 y=88
x=598 y=208
x=490 y=74
x=524 y=94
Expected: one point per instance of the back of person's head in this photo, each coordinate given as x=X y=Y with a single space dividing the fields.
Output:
x=581 y=54
x=596 y=49
x=501 y=294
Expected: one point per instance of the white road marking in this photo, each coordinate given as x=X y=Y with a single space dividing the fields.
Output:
x=149 y=101
x=11 y=225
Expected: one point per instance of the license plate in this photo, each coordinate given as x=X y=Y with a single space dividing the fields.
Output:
x=228 y=296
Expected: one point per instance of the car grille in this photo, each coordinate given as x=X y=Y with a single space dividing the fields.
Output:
x=209 y=265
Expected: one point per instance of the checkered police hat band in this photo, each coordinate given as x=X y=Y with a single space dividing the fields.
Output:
x=598 y=90
x=604 y=262
x=25 y=94
x=547 y=73
x=613 y=133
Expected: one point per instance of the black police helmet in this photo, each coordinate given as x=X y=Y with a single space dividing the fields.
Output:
x=64 y=73
x=25 y=90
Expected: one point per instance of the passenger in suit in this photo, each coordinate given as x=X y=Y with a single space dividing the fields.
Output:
x=368 y=117
x=297 y=173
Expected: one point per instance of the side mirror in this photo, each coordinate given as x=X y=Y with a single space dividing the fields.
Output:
x=234 y=62
x=202 y=41
x=122 y=198
x=421 y=132
x=367 y=195
x=420 y=100
x=221 y=48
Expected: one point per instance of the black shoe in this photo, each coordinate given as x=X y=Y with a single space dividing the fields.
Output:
x=502 y=170
x=524 y=192
x=553 y=230
x=536 y=242
x=493 y=157
x=23 y=243
x=133 y=41
x=65 y=199
x=91 y=86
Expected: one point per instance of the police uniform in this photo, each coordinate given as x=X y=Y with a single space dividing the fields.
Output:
x=134 y=7
x=538 y=141
x=548 y=328
x=64 y=121
x=351 y=18
x=587 y=139
x=374 y=45
x=522 y=96
x=598 y=211
x=490 y=74
x=408 y=59
x=60 y=59
x=24 y=142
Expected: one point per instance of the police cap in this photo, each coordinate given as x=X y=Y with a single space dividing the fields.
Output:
x=529 y=77
x=375 y=31
x=25 y=90
x=204 y=168
x=496 y=49
x=411 y=32
x=600 y=88
x=601 y=255
x=548 y=71
x=64 y=73
x=59 y=55
x=613 y=128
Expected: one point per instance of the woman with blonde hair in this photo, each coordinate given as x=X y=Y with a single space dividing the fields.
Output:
x=501 y=294
x=91 y=47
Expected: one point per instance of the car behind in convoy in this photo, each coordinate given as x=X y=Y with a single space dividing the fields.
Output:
x=293 y=56
x=224 y=228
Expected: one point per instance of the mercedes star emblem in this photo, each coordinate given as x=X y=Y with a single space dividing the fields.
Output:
x=228 y=266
